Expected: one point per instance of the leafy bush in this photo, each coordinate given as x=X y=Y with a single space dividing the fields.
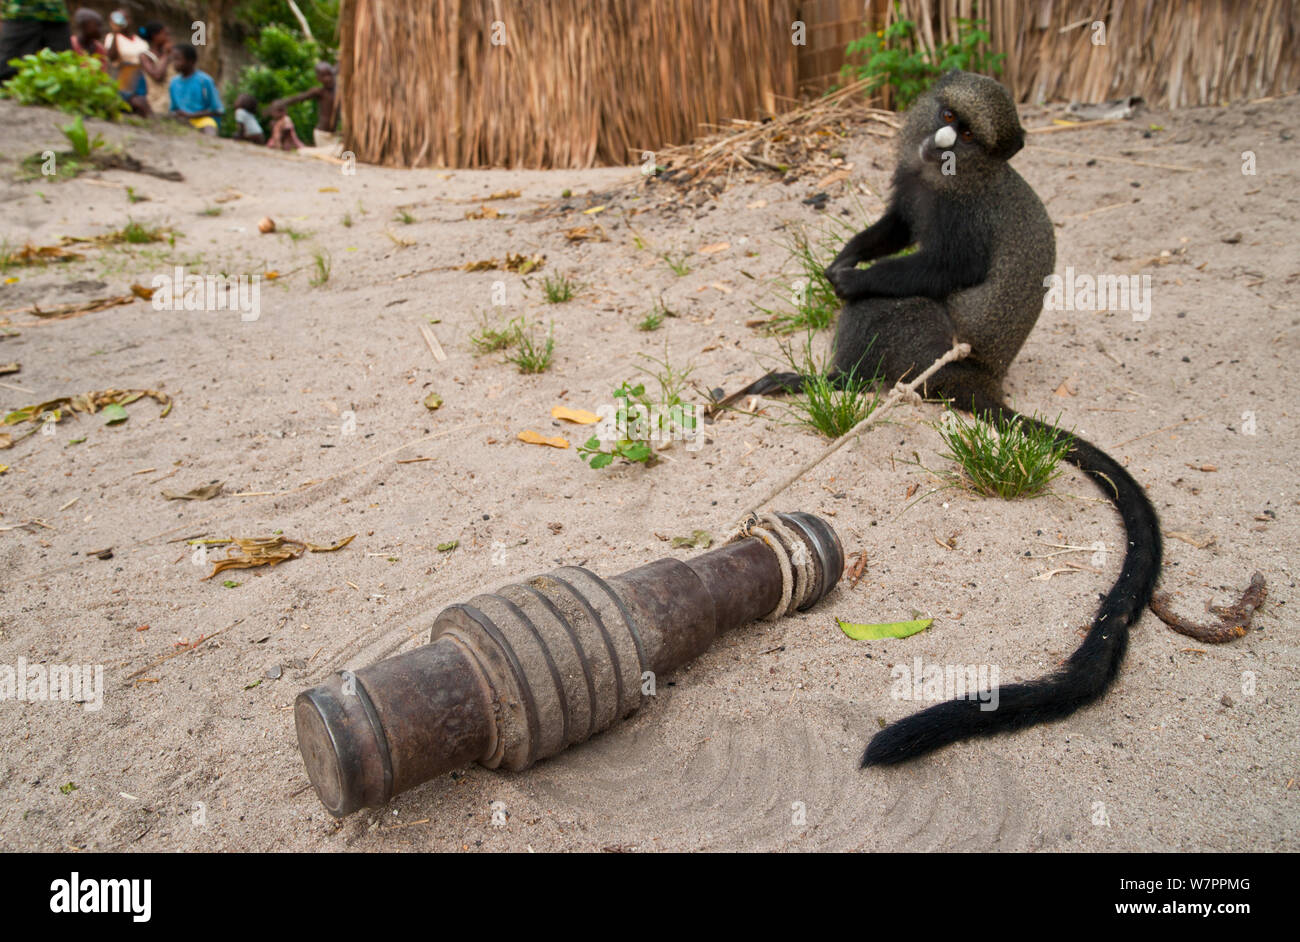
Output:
x=896 y=58
x=322 y=16
x=65 y=80
x=641 y=421
x=286 y=65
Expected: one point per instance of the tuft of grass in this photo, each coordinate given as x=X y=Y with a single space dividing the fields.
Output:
x=293 y=234
x=134 y=197
x=1005 y=457
x=404 y=217
x=812 y=300
x=533 y=354
x=323 y=265
x=136 y=233
x=678 y=264
x=654 y=320
x=347 y=220
x=831 y=408
x=559 y=289
x=211 y=211
x=490 y=339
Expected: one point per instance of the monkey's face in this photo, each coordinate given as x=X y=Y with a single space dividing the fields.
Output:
x=965 y=126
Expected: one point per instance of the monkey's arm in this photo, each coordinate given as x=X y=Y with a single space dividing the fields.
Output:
x=929 y=274
x=889 y=234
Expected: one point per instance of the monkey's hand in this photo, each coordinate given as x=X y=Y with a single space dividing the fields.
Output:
x=850 y=284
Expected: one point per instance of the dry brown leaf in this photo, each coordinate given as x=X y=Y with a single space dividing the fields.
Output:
x=88 y=403
x=533 y=438
x=331 y=548
x=483 y=212
x=586 y=234
x=39 y=255
x=505 y=195
x=252 y=552
x=1199 y=540
x=580 y=416
x=833 y=177
x=858 y=569
x=714 y=247
x=140 y=291
x=521 y=264
x=7 y=368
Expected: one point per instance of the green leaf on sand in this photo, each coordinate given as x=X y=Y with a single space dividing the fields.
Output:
x=893 y=629
x=114 y=414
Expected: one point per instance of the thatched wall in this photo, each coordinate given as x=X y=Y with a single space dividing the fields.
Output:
x=574 y=83
x=583 y=82
x=1173 y=53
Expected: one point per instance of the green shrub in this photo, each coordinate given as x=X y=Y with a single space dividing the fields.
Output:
x=286 y=65
x=322 y=16
x=896 y=58
x=65 y=80
x=1005 y=457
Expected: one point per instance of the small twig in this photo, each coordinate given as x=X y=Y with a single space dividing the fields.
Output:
x=179 y=651
x=1093 y=212
x=1159 y=430
x=1234 y=620
x=1118 y=160
x=1072 y=126
x=432 y=341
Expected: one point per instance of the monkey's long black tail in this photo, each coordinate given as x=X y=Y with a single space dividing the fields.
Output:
x=1089 y=670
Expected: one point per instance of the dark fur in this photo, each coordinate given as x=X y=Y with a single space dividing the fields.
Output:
x=985 y=247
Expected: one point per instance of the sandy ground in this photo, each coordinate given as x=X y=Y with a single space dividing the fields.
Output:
x=196 y=754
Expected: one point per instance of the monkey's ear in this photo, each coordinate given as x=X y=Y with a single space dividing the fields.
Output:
x=1010 y=144
x=948 y=78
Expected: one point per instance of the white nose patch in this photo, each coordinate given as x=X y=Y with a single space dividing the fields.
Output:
x=945 y=136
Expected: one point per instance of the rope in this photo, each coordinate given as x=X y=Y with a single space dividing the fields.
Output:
x=796 y=564
x=896 y=395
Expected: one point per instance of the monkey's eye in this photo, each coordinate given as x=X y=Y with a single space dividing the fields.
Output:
x=968 y=135
x=948 y=116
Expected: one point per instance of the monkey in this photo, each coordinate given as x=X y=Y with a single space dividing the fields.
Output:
x=985 y=249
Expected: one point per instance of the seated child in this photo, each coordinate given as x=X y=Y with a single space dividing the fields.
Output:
x=124 y=52
x=283 y=135
x=247 y=127
x=194 y=95
x=88 y=34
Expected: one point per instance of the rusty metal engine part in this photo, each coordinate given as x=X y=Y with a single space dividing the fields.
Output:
x=517 y=675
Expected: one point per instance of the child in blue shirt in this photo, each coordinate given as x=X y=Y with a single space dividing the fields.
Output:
x=194 y=96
